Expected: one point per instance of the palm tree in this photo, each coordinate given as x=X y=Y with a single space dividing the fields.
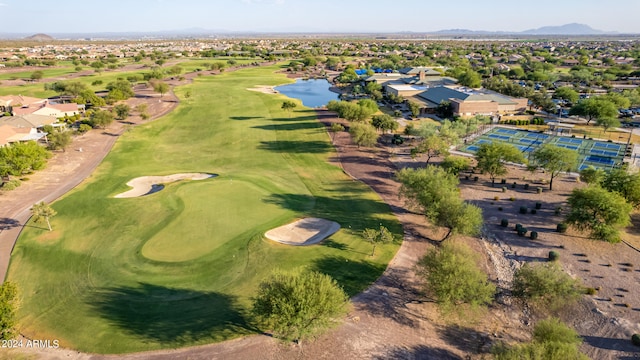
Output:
x=42 y=211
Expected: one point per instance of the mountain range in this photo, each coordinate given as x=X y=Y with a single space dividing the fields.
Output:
x=567 y=29
x=573 y=29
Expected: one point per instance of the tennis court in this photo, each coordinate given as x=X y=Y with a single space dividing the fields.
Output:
x=600 y=154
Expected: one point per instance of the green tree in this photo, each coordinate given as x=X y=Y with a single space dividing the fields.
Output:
x=566 y=93
x=453 y=277
x=592 y=176
x=363 y=134
x=9 y=302
x=415 y=109
x=288 y=105
x=621 y=182
x=376 y=237
x=22 y=158
x=42 y=212
x=298 y=305
x=554 y=160
x=595 y=108
x=431 y=146
x=492 y=157
x=122 y=111
x=545 y=286
x=470 y=78
x=101 y=118
x=335 y=128
x=59 y=139
x=434 y=191
x=455 y=164
x=598 y=211
x=160 y=87
x=37 y=75
x=384 y=122
x=119 y=90
x=552 y=340
x=607 y=122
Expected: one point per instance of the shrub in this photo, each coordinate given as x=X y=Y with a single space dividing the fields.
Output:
x=522 y=231
x=504 y=189
x=513 y=186
x=554 y=256
x=561 y=228
x=558 y=210
x=504 y=223
x=513 y=198
x=526 y=186
x=10 y=185
x=533 y=235
x=503 y=181
x=496 y=198
x=469 y=284
x=500 y=208
x=475 y=178
x=518 y=227
x=534 y=211
x=288 y=304
x=590 y=291
x=523 y=209
x=539 y=190
x=635 y=339
x=546 y=286
x=538 y=205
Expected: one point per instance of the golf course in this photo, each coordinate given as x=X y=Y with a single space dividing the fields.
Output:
x=178 y=267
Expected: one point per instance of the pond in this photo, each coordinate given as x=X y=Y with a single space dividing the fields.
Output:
x=313 y=93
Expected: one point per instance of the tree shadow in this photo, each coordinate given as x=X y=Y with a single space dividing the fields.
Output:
x=353 y=276
x=524 y=258
x=245 y=117
x=8 y=223
x=334 y=245
x=418 y=352
x=296 y=146
x=464 y=338
x=169 y=315
x=611 y=344
x=353 y=212
x=290 y=126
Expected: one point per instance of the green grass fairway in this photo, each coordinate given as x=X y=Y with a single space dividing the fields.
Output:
x=178 y=267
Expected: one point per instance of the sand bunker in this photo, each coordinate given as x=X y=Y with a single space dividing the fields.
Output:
x=264 y=89
x=146 y=185
x=305 y=231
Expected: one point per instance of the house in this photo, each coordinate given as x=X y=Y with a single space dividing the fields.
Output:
x=470 y=102
x=9 y=102
x=10 y=134
x=29 y=121
x=49 y=109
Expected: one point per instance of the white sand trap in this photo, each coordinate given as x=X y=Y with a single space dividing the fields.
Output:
x=305 y=231
x=150 y=184
x=264 y=89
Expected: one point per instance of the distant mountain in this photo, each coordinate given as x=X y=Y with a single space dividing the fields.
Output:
x=568 y=29
x=40 y=37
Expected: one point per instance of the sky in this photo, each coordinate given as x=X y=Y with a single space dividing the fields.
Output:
x=90 y=16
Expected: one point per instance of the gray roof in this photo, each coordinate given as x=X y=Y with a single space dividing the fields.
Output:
x=438 y=94
x=416 y=70
x=28 y=121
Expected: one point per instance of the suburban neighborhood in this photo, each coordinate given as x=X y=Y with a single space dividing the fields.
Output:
x=452 y=196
